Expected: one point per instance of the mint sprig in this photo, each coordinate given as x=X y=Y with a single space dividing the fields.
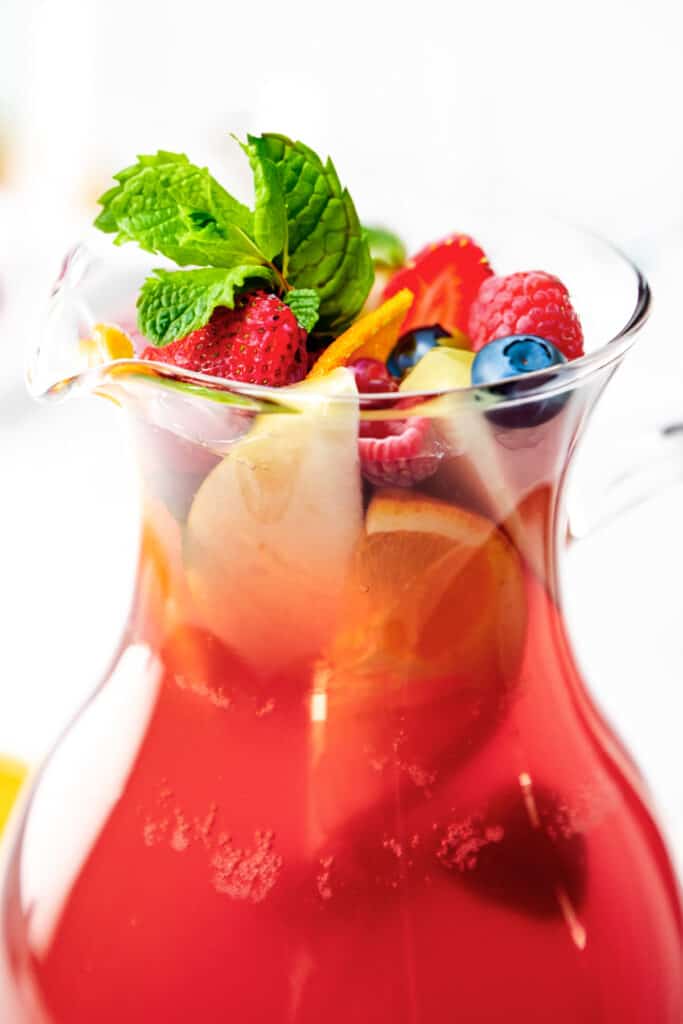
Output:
x=327 y=250
x=173 y=303
x=305 y=305
x=270 y=213
x=303 y=237
x=169 y=206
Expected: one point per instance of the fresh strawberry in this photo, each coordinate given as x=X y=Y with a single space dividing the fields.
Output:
x=259 y=342
x=444 y=277
x=532 y=302
x=398 y=453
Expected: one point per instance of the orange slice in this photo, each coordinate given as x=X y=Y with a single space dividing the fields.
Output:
x=435 y=601
x=107 y=342
x=371 y=337
x=431 y=634
x=12 y=775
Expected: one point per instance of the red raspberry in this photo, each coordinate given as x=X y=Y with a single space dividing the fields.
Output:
x=398 y=453
x=444 y=277
x=259 y=342
x=532 y=302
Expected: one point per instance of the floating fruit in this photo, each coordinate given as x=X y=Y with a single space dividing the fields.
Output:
x=272 y=528
x=397 y=452
x=531 y=302
x=372 y=376
x=106 y=342
x=441 y=369
x=444 y=277
x=423 y=566
x=412 y=346
x=259 y=342
x=516 y=356
x=373 y=336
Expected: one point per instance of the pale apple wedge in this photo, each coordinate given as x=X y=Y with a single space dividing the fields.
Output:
x=271 y=530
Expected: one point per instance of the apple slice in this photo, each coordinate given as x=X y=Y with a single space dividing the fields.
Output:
x=439 y=369
x=271 y=530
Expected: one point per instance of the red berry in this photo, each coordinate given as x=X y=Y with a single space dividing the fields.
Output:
x=532 y=302
x=372 y=376
x=259 y=342
x=444 y=277
x=398 y=453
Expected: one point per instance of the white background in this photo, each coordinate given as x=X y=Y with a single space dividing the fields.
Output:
x=572 y=108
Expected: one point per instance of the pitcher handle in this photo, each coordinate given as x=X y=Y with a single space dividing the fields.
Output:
x=623 y=481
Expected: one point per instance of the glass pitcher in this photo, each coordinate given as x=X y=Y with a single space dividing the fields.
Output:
x=343 y=765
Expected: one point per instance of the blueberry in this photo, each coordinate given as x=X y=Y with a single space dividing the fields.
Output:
x=411 y=346
x=513 y=356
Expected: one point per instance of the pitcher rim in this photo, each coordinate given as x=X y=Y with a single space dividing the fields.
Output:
x=536 y=384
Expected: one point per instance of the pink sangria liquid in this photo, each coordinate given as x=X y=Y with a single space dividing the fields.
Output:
x=425 y=820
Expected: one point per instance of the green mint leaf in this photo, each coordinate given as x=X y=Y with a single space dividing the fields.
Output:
x=169 y=206
x=386 y=248
x=327 y=251
x=270 y=214
x=173 y=303
x=304 y=304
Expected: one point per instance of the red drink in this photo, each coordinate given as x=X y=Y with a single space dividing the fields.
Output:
x=390 y=803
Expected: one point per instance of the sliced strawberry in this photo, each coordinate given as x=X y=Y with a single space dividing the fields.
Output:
x=444 y=277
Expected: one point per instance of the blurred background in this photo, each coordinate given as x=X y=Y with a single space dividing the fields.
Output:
x=570 y=110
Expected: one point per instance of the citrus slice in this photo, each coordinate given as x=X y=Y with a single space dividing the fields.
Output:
x=272 y=528
x=435 y=602
x=107 y=342
x=430 y=641
x=12 y=775
x=371 y=337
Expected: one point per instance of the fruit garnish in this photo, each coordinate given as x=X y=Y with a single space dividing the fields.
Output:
x=512 y=357
x=106 y=342
x=531 y=302
x=259 y=341
x=372 y=376
x=439 y=370
x=393 y=452
x=444 y=277
x=12 y=775
x=422 y=562
x=412 y=345
x=398 y=453
x=272 y=528
x=371 y=337
x=303 y=238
